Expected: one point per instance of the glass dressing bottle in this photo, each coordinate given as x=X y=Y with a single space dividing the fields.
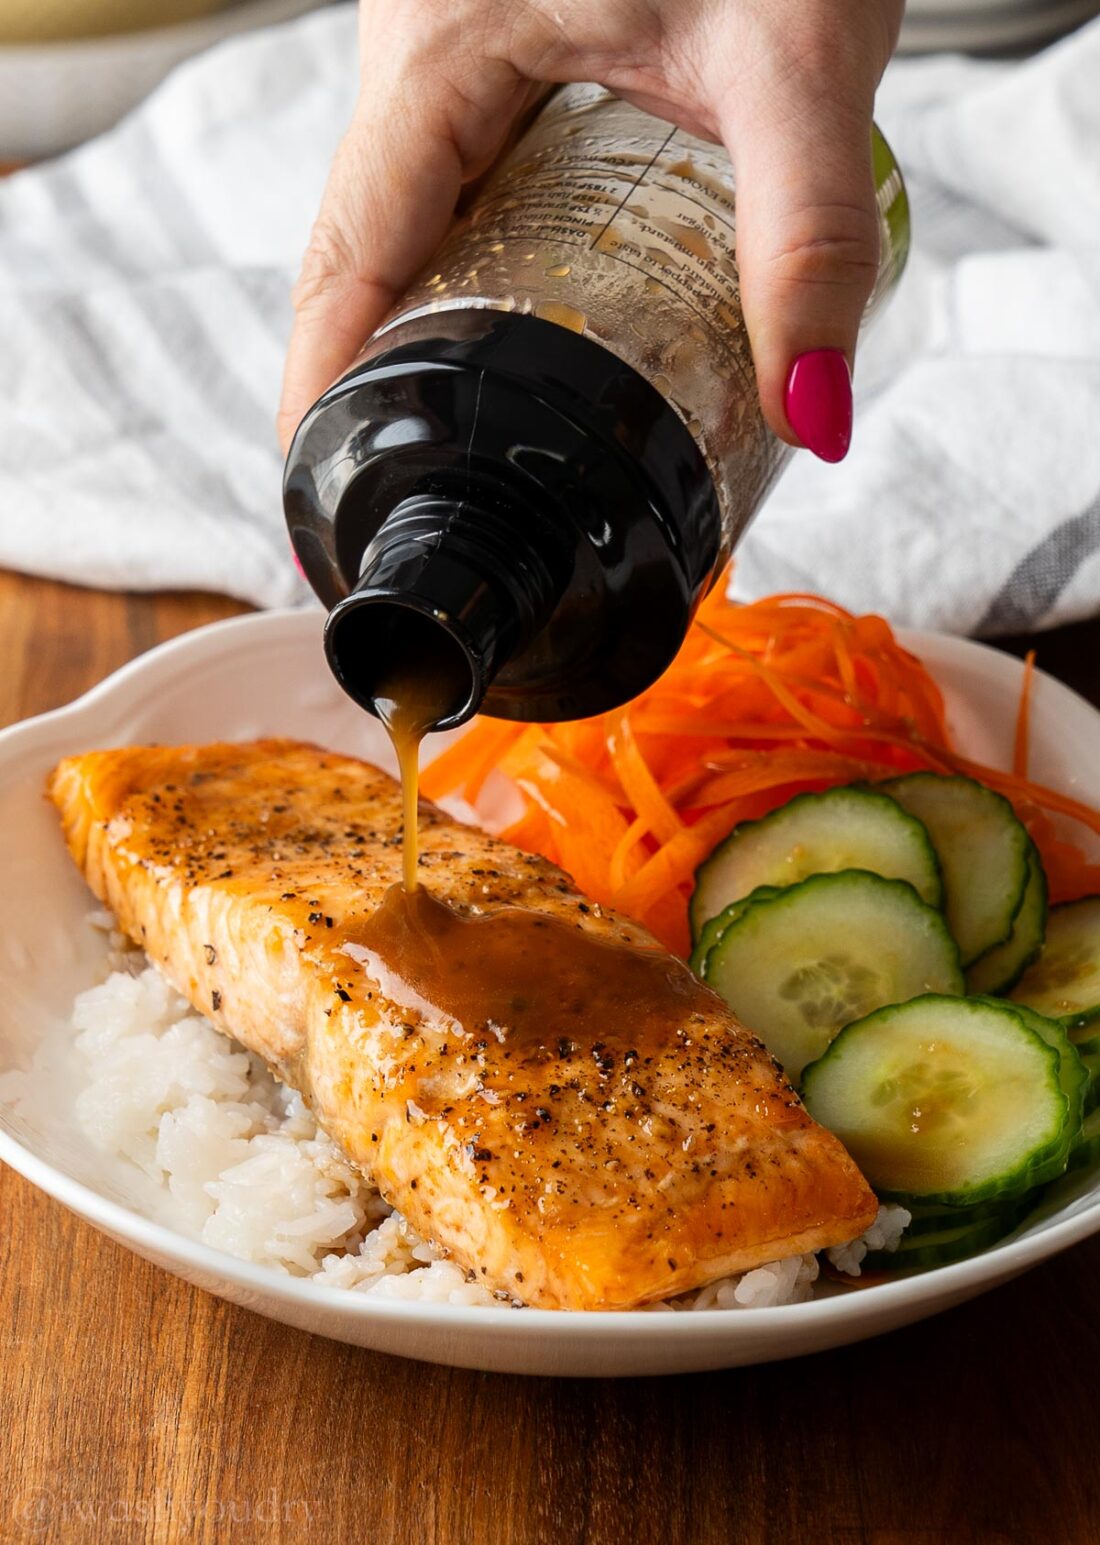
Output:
x=541 y=461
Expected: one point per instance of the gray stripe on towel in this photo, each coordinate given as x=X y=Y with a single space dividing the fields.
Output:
x=170 y=457
x=267 y=291
x=166 y=198
x=1033 y=587
x=79 y=218
x=227 y=390
x=161 y=234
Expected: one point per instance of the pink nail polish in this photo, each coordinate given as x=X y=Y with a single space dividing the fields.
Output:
x=818 y=401
x=297 y=563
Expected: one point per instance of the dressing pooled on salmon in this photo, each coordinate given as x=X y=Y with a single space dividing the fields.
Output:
x=540 y=1088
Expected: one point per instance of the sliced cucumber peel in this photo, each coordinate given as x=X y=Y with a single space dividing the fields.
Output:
x=954 y=1241
x=1064 y=983
x=1086 y=1151
x=715 y=927
x=798 y=965
x=949 y=1100
x=841 y=828
x=1001 y=967
x=1089 y=1053
x=925 y=1219
x=1073 y=1075
x=983 y=850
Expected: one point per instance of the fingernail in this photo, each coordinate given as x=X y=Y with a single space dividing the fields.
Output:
x=297 y=563
x=818 y=401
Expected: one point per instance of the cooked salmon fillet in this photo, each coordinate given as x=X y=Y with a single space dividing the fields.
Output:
x=565 y=1170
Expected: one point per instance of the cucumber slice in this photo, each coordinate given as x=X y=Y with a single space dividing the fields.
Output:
x=935 y=1220
x=715 y=927
x=1092 y=1091
x=1089 y=1053
x=1073 y=1076
x=1064 y=982
x=983 y=851
x=796 y=966
x=841 y=828
x=950 y=1243
x=950 y=1100
x=1087 y=1149
x=999 y=968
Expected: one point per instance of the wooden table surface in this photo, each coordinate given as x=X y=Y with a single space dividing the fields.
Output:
x=134 y=1407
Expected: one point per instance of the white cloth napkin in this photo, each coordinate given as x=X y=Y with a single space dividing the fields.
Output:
x=970 y=500
x=144 y=311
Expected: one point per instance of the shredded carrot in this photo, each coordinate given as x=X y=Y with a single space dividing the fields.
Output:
x=625 y=859
x=762 y=702
x=468 y=764
x=638 y=783
x=1023 y=718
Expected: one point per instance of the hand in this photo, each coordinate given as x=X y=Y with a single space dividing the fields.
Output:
x=787 y=86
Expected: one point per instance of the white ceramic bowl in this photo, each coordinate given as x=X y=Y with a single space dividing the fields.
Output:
x=931 y=26
x=265 y=675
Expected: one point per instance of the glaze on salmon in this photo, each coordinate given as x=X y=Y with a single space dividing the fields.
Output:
x=537 y=1086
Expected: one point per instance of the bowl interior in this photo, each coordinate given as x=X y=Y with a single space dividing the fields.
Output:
x=265 y=675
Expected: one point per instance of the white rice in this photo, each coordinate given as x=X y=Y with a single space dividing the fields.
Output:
x=238 y=1162
x=884 y=1234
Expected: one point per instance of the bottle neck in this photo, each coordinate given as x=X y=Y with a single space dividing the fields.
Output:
x=475 y=581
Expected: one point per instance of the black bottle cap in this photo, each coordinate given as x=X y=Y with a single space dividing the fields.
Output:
x=471 y=583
